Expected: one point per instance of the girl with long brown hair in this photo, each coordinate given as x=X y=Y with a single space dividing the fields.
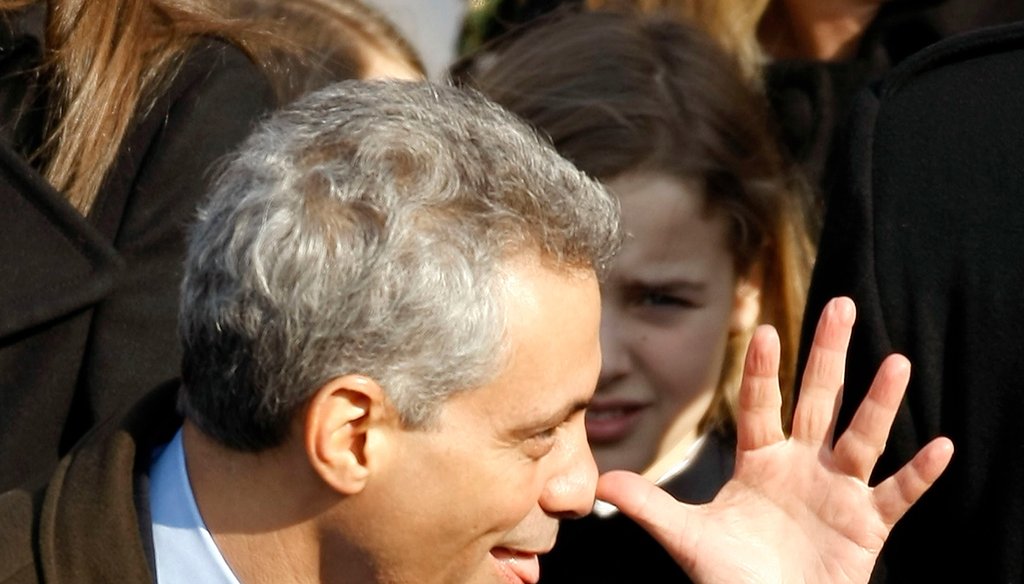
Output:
x=716 y=244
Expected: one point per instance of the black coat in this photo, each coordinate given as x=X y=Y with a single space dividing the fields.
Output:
x=91 y=522
x=927 y=236
x=812 y=99
x=88 y=305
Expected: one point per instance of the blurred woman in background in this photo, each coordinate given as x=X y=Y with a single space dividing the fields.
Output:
x=112 y=115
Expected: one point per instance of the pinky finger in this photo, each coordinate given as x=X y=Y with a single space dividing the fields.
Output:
x=895 y=495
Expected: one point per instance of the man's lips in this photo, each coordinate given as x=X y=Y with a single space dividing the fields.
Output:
x=517 y=566
x=610 y=421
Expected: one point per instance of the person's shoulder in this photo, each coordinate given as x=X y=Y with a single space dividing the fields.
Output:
x=19 y=511
x=962 y=53
x=215 y=54
x=89 y=522
x=216 y=62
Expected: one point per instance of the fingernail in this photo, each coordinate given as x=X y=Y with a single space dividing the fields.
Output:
x=844 y=309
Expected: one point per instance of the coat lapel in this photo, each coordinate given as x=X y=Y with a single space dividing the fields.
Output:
x=53 y=262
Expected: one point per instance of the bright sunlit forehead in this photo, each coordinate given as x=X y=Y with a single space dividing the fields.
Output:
x=552 y=339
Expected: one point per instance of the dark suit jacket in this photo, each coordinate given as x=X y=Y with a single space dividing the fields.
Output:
x=91 y=523
x=88 y=305
x=926 y=234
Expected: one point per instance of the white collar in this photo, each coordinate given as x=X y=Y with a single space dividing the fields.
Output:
x=604 y=509
x=185 y=550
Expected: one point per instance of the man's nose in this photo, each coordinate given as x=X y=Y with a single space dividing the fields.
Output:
x=570 y=493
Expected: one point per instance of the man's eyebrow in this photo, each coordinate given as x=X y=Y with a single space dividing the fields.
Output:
x=576 y=406
x=554 y=419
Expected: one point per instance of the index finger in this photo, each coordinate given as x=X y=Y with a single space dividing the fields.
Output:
x=814 y=418
x=674 y=524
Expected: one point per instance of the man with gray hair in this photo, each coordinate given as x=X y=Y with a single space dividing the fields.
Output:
x=390 y=327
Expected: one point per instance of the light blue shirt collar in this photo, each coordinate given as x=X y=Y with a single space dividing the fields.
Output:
x=185 y=550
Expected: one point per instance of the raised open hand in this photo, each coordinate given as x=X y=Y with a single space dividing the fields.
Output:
x=796 y=509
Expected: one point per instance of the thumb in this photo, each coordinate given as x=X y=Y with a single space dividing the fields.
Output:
x=675 y=525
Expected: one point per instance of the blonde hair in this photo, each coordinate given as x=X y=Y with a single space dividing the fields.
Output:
x=106 y=60
x=786 y=259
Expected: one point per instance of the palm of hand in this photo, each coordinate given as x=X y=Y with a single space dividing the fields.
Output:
x=805 y=528
x=796 y=509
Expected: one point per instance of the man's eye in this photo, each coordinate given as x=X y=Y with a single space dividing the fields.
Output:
x=546 y=434
x=541 y=443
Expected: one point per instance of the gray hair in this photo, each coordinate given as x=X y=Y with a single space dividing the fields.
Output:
x=363 y=230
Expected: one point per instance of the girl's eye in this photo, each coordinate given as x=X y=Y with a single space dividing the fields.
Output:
x=661 y=299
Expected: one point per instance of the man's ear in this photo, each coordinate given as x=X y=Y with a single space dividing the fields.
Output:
x=746 y=309
x=339 y=419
